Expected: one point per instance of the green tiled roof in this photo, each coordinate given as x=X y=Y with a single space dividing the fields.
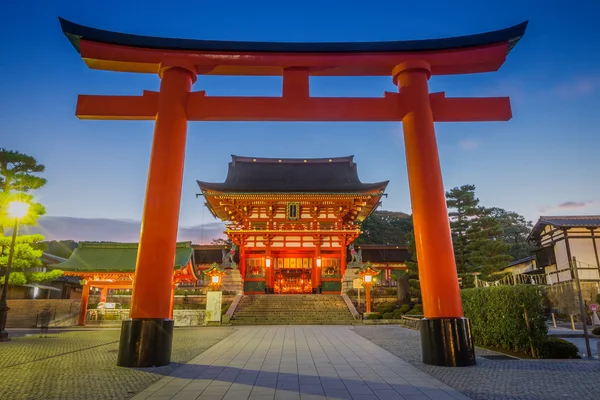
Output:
x=115 y=257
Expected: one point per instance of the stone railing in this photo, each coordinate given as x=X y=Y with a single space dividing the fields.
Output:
x=411 y=322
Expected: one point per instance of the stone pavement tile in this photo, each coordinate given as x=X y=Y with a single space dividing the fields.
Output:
x=338 y=394
x=311 y=389
x=359 y=389
x=186 y=395
x=415 y=397
x=378 y=385
x=405 y=389
x=286 y=395
x=209 y=397
x=387 y=394
x=332 y=383
x=364 y=397
x=237 y=394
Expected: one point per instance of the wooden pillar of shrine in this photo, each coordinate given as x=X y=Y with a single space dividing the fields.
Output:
x=243 y=271
x=83 y=304
x=445 y=335
x=343 y=260
x=103 y=295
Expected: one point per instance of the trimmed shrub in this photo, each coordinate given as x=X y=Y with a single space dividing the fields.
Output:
x=391 y=291
x=554 y=347
x=388 y=315
x=374 y=316
x=404 y=308
x=417 y=310
x=398 y=313
x=497 y=316
x=383 y=308
x=596 y=331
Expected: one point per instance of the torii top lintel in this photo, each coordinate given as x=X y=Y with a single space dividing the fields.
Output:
x=115 y=51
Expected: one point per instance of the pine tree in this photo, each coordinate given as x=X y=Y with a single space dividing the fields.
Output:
x=462 y=209
x=413 y=268
x=515 y=232
x=17 y=180
x=486 y=250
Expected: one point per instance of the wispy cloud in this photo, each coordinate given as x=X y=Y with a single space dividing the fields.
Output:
x=114 y=230
x=579 y=87
x=569 y=205
x=468 y=144
x=575 y=204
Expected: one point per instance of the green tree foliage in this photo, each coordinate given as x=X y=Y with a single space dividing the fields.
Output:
x=485 y=247
x=413 y=268
x=61 y=248
x=221 y=242
x=385 y=227
x=462 y=209
x=26 y=266
x=515 y=229
x=18 y=177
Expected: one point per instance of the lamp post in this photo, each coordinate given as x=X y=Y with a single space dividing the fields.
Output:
x=17 y=210
x=367 y=274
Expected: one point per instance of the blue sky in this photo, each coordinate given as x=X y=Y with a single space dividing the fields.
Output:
x=543 y=161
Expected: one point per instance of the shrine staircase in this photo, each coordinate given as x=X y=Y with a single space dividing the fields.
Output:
x=292 y=309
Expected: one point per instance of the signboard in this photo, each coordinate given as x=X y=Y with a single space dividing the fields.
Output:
x=214 y=301
x=593 y=307
x=109 y=305
x=357 y=283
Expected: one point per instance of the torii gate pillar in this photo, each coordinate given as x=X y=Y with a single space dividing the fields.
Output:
x=445 y=334
x=146 y=338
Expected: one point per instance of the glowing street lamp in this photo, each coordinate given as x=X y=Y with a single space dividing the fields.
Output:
x=215 y=274
x=319 y=261
x=268 y=262
x=16 y=210
x=367 y=273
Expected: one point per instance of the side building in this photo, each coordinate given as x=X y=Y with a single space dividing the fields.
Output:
x=292 y=219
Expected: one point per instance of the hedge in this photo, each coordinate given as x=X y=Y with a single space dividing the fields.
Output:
x=554 y=347
x=497 y=316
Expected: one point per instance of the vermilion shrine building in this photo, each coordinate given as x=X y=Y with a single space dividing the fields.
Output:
x=292 y=219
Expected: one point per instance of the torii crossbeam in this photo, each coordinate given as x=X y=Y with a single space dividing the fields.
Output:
x=445 y=333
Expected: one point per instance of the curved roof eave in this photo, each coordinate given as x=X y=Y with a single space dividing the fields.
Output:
x=351 y=188
x=76 y=32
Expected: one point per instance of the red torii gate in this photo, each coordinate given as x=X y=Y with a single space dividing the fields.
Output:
x=146 y=339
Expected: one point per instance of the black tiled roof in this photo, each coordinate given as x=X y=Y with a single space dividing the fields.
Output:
x=521 y=260
x=578 y=221
x=208 y=254
x=292 y=175
x=380 y=253
x=75 y=33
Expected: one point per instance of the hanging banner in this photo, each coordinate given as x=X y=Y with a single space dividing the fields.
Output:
x=214 y=301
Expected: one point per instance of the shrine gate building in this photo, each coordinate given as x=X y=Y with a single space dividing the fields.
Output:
x=292 y=219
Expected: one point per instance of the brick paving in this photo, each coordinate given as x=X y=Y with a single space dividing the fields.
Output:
x=493 y=379
x=298 y=362
x=80 y=364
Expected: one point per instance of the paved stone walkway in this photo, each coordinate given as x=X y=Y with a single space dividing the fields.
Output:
x=494 y=379
x=303 y=363
x=80 y=364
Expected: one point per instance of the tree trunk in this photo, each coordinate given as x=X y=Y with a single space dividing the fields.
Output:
x=403 y=289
